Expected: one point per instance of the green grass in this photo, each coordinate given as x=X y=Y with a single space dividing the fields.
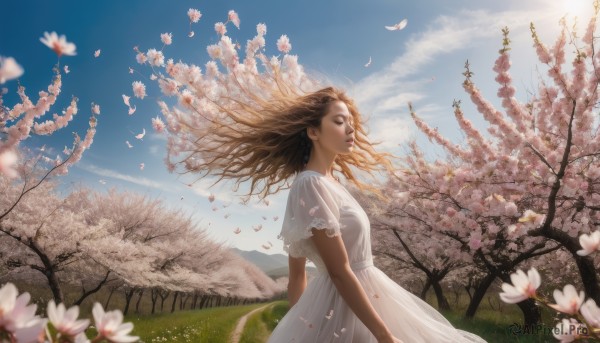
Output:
x=255 y=329
x=213 y=325
x=496 y=329
x=492 y=321
x=260 y=325
x=496 y=321
x=274 y=314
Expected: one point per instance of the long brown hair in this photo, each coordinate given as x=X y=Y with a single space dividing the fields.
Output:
x=264 y=138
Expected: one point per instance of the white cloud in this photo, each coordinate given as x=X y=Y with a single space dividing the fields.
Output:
x=155 y=136
x=390 y=132
x=384 y=90
x=116 y=175
x=154 y=150
x=397 y=102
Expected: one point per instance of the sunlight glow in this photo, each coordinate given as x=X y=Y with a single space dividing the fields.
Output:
x=578 y=8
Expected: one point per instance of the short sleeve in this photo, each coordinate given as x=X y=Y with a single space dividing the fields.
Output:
x=311 y=204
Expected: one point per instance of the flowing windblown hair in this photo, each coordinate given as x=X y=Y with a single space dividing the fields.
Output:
x=263 y=138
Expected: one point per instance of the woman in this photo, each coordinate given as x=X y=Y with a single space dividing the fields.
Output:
x=350 y=300
x=282 y=133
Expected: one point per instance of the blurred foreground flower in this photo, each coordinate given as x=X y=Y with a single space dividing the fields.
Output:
x=19 y=324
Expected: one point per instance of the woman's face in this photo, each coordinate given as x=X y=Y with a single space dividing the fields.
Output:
x=337 y=128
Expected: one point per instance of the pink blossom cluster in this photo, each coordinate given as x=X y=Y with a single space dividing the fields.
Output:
x=204 y=91
x=19 y=121
x=540 y=151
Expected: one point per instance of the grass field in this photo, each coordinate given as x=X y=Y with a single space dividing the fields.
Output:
x=494 y=320
x=213 y=325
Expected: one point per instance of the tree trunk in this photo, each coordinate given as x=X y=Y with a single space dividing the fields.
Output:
x=163 y=295
x=137 y=304
x=589 y=278
x=203 y=301
x=93 y=290
x=441 y=298
x=185 y=300
x=195 y=300
x=112 y=290
x=154 y=298
x=55 y=286
x=425 y=289
x=128 y=296
x=174 y=301
x=47 y=270
x=532 y=314
x=478 y=295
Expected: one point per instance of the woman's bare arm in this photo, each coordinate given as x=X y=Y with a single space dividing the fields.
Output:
x=297 y=278
x=333 y=253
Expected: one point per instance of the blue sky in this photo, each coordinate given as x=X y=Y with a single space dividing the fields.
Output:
x=422 y=63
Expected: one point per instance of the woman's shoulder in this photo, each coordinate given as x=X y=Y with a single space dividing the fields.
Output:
x=311 y=181
x=310 y=177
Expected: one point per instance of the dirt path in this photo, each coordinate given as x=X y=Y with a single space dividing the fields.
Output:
x=239 y=328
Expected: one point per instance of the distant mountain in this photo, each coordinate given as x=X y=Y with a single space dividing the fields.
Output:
x=275 y=265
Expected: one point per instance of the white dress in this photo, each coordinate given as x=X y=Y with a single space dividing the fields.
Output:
x=321 y=314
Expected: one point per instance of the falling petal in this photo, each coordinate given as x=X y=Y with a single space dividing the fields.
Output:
x=399 y=26
x=141 y=135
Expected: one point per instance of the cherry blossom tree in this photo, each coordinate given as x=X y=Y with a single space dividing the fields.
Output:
x=182 y=258
x=407 y=249
x=20 y=168
x=528 y=188
x=42 y=234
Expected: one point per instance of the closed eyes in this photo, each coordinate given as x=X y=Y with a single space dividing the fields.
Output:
x=340 y=123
